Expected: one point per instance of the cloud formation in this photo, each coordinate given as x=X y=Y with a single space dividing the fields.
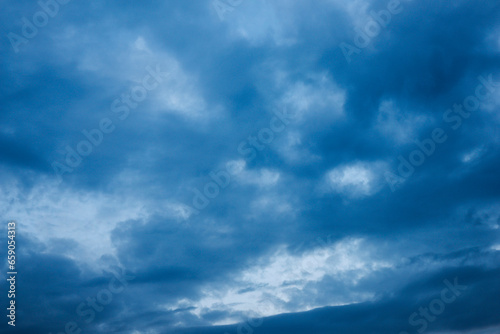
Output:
x=246 y=168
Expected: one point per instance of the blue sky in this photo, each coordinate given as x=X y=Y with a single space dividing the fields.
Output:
x=237 y=166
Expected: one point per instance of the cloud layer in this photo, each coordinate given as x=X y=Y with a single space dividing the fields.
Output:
x=252 y=166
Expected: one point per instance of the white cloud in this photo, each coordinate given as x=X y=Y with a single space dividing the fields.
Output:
x=496 y=247
x=50 y=211
x=317 y=97
x=292 y=148
x=355 y=180
x=178 y=94
x=473 y=155
x=264 y=288
x=271 y=203
x=261 y=21
x=141 y=44
x=263 y=177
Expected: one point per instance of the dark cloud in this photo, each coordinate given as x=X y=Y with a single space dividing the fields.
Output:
x=305 y=230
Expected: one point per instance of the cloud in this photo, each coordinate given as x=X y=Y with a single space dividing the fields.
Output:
x=307 y=233
x=355 y=180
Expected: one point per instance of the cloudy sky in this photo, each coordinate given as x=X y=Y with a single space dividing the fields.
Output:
x=251 y=166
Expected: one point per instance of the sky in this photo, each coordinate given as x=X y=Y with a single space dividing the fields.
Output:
x=237 y=166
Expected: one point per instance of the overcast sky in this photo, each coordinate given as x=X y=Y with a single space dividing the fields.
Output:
x=251 y=166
